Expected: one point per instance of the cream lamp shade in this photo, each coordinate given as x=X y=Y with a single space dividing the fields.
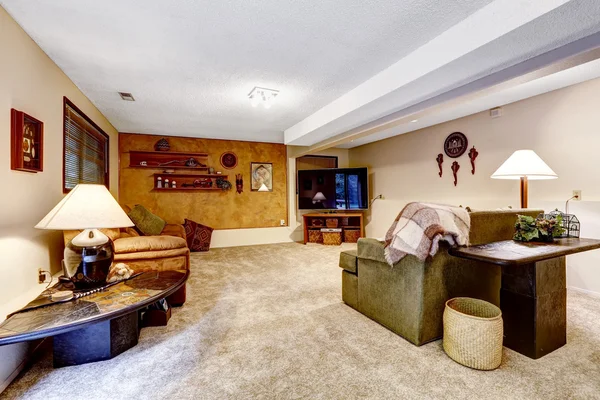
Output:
x=263 y=188
x=86 y=207
x=319 y=197
x=524 y=163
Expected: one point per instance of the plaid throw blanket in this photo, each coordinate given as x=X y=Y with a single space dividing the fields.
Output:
x=420 y=226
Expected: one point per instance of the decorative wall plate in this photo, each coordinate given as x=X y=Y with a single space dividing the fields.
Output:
x=229 y=160
x=455 y=145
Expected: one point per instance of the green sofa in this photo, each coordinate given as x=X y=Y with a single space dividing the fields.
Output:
x=409 y=298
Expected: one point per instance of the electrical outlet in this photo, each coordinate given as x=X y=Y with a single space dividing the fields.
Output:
x=578 y=194
x=41 y=276
x=282 y=222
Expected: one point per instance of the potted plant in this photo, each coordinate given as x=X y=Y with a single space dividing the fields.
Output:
x=540 y=229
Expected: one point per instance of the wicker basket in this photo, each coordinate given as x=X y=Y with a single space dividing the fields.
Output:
x=315 y=236
x=331 y=222
x=473 y=333
x=351 y=235
x=332 y=238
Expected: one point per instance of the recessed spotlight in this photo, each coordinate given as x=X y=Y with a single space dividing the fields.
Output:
x=262 y=95
x=414 y=120
x=126 y=96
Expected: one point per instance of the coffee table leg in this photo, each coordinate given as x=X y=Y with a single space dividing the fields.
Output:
x=96 y=342
x=533 y=300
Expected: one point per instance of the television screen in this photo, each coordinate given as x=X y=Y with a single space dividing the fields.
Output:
x=333 y=189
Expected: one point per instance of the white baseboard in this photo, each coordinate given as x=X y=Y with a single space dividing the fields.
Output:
x=586 y=291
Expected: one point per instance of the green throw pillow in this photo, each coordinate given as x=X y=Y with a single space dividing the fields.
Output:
x=148 y=223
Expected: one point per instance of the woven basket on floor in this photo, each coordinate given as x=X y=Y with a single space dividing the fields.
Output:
x=473 y=333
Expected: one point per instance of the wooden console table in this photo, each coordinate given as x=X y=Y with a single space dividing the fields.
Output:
x=346 y=221
x=533 y=297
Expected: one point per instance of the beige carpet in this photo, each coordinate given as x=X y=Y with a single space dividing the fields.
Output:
x=267 y=322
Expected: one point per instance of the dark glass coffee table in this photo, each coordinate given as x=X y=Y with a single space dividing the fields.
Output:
x=96 y=327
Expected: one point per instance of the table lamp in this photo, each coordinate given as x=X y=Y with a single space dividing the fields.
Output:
x=89 y=255
x=524 y=165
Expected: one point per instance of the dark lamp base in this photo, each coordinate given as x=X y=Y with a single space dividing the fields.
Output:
x=88 y=266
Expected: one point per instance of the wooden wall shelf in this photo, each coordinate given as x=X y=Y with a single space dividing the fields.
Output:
x=177 y=174
x=187 y=179
x=158 y=160
x=184 y=188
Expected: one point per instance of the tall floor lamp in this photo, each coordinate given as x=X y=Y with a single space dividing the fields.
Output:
x=524 y=165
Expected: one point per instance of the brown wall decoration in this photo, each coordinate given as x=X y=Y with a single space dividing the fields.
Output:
x=214 y=208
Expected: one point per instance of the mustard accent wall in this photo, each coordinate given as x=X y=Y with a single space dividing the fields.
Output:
x=217 y=209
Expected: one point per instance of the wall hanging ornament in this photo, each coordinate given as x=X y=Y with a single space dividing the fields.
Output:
x=229 y=160
x=473 y=155
x=27 y=142
x=455 y=145
x=455 y=168
x=239 y=183
x=162 y=145
x=440 y=161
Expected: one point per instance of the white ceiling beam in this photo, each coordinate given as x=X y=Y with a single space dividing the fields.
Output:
x=482 y=27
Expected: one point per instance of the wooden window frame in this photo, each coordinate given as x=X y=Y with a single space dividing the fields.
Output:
x=67 y=102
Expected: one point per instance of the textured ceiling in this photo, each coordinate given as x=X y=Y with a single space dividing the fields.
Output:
x=500 y=35
x=190 y=64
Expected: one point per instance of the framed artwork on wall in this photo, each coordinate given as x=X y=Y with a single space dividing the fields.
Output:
x=27 y=142
x=261 y=173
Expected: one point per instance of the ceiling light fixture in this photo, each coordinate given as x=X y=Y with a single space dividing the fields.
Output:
x=126 y=96
x=262 y=95
x=414 y=120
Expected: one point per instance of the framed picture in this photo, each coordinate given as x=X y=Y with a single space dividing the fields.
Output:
x=27 y=142
x=261 y=173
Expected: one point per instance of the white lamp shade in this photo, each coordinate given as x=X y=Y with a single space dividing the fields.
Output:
x=319 y=197
x=86 y=207
x=263 y=188
x=524 y=163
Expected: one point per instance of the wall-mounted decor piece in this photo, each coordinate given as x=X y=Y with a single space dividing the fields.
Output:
x=455 y=145
x=261 y=173
x=162 y=145
x=440 y=161
x=27 y=142
x=473 y=155
x=223 y=184
x=229 y=160
x=455 y=168
x=239 y=183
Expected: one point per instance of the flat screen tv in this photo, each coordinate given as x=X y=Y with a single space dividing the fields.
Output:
x=333 y=189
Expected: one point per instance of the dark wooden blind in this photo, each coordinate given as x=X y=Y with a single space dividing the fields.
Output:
x=86 y=149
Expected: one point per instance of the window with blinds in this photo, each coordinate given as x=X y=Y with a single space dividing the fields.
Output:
x=86 y=149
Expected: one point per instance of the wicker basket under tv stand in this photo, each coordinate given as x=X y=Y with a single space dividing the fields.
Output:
x=346 y=221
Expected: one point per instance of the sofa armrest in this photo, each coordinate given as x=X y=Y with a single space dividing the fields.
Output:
x=371 y=249
x=174 y=230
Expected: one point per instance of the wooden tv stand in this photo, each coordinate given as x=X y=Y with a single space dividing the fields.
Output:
x=352 y=221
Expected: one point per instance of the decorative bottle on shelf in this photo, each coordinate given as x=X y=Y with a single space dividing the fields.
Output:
x=174 y=184
x=159 y=183
x=167 y=183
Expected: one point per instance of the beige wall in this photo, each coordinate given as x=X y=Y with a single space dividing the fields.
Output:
x=562 y=127
x=31 y=82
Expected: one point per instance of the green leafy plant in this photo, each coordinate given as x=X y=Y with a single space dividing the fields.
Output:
x=529 y=229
